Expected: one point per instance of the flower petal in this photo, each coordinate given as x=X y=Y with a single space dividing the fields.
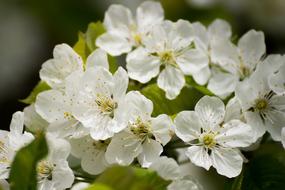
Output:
x=252 y=47
x=97 y=58
x=192 y=61
x=171 y=80
x=277 y=81
x=235 y=134
x=148 y=14
x=117 y=17
x=210 y=111
x=199 y=156
x=202 y=76
x=167 y=168
x=220 y=28
x=162 y=128
x=121 y=81
x=150 y=153
x=187 y=126
x=124 y=147
x=141 y=66
x=228 y=162
x=114 y=43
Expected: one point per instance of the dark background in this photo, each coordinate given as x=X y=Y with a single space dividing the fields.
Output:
x=29 y=29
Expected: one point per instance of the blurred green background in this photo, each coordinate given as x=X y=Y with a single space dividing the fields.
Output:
x=29 y=29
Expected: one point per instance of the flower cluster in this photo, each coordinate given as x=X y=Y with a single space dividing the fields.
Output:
x=91 y=114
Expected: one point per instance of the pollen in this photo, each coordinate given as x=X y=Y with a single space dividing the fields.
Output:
x=167 y=58
x=141 y=129
x=137 y=39
x=45 y=169
x=68 y=115
x=261 y=104
x=209 y=140
x=106 y=105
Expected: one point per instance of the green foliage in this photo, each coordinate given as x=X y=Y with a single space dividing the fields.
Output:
x=266 y=170
x=40 y=87
x=129 y=178
x=23 y=175
x=93 y=31
x=80 y=46
x=99 y=186
x=185 y=101
x=190 y=81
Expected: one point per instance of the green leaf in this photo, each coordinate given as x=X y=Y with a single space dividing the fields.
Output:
x=40 y=87
x=113 y=65
x=186 y=100
x=93 y=31
x=99 y=186
x=190 y=81
x=131 y=178
x=23 y=175
x=266 y=170
x=80 y=46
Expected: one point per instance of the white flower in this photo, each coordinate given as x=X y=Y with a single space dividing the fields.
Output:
x=215 y=141
x=56 y=108
x=91 y=152
x=283 y=136
x=11 y=142
x=204 y=40
x=144 y=136
x=66 y=61
x=186 y=183
x=53 y=171
x=235 y=62
x=124 y=31
x=168 y=45
x=277 y=79
x=99 y=104
x=33 y=121
x=167 y=168
x=263 y=109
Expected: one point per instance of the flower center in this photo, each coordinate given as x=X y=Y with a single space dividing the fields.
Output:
x=261 y=104
x=68 y=115
x=3 y=154
x=141 y=129
x=106 y=105
x=45 y=169
x=209 y=140
x=137 y=38
x=166 y=57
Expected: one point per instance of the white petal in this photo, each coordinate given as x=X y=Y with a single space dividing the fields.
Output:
x=184 y=184
x=138 y=106
x=33 y=121
x=65 y=61
x=202 y=76
x=224 y=52
x=94 y=163
x=124 y=147
x=277 y=81
x=114 y=43
x=62 y=175
x=269 y=66
x=254 y=120
x=162 y=128
x=235 y=134
x=121 y=81
x=228 y=162
x=149 y=13
x=51 y=105
x=210 y=111
x=101 y=127
x=233 y=109
x=142 y=66
x=166 y=167
x=220 y=28
x=192 y=61
x=171 y=80
x=222 y=84
x=150 y=153
x=59 y=149
x=252 y=47
x=187 y=126
x=275 y=124
x=199 y=156
x=283 y=137
x=118 y=16
x=17 y=123
x=97 y=58
x=201 y=36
